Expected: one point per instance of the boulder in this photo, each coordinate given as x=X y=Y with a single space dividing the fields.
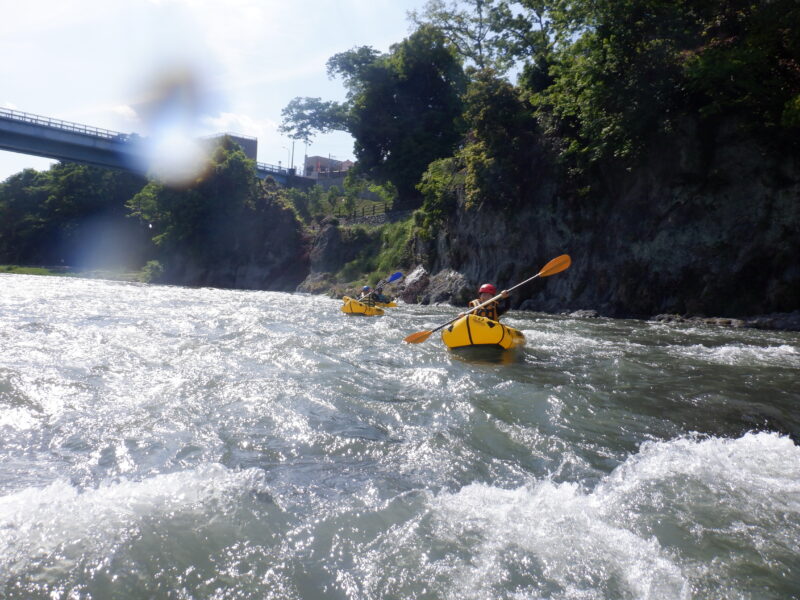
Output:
x=785 y=321
x=448 y=286
x=316 y=283
x=414 y=285
x=583 y=314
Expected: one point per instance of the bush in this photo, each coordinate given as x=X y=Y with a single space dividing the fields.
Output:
x=440 y=186
x=152 y=272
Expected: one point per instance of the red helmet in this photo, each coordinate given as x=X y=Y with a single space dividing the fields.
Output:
x=487 y=288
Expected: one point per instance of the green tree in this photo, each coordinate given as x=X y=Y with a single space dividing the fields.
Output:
x=23 y=228
x=495 y=34
x=298 y=200
x=611 y=86
x=332 y=196
x=747 y=60
x=386 y=192
x=441 y=185
x=202 y=222
x=624 y=70
x=56 y=216
x=497 y=156
x=474 y=31
x=303 y=118
x=315 y=199
x=403 y=109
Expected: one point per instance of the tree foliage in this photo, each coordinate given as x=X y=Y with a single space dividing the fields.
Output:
x=403 y=108
x=493 y=34
x=748 y=61
x=202 y=222
x=475 y=31
x=303 y=118
x=625 y=70
x=407 y=113
x=51 y=217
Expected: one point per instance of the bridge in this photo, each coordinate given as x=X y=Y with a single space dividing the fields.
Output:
x=72 y=142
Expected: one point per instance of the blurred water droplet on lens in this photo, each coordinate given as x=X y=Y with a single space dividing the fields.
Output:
x=171 y=150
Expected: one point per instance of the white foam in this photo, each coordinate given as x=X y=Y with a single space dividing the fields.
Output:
x=783 y=355
x=60 y=522
x=17 y=418
x=755 y=473
x=579 y=540
x=571 y=343
x=562 y=532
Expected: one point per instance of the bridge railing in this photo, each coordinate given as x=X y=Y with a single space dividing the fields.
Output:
x=23 y=117
x=98 y=132
x=17 y=115
x=267 y=168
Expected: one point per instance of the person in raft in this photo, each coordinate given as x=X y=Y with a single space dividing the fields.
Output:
x=370 y=296
x=492 y=310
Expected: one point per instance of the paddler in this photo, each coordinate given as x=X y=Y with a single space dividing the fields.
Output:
x=493 y=310
x=370 y=296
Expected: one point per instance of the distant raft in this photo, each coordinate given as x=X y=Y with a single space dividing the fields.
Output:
x=471 y=330
x=352 y=306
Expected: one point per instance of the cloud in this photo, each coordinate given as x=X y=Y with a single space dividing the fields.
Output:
x=228 y=122
x=34 y=18
x=250 y=57
x=126 y=113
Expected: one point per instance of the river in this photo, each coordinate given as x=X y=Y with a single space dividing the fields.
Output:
x=167 y=442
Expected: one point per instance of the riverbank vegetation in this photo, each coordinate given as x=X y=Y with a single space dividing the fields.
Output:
x=602 y=80
x=51 y=271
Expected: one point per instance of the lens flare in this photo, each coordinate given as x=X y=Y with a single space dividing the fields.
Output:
x=171 y=150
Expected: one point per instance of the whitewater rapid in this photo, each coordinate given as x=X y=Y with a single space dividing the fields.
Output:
x=170 y=442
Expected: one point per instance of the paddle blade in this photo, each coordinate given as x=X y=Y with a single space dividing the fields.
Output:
x=394 y=277
x=558 y=264
x=418 y=337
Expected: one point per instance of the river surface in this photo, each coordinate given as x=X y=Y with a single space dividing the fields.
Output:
x=166 y=442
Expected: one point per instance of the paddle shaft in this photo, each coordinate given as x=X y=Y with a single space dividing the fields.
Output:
x=489 y=301
x=556 y=265
x=379 y=286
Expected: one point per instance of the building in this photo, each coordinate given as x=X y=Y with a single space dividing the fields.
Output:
x=249 y=144
x=322 y=167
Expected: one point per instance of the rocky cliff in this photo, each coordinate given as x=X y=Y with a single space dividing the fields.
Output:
x=709 y=224
x=268 y=251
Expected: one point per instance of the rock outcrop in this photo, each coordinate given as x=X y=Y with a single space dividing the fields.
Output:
x=331 y=250
x=709 y=225
x=270 y=253
x=415 y=285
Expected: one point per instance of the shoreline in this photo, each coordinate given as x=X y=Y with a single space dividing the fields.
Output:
x=61 y=271
x=783 y=321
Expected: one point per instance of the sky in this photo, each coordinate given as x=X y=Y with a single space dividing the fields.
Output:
x=236 y=63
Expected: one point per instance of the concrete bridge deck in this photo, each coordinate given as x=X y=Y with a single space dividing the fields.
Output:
x=73 y=142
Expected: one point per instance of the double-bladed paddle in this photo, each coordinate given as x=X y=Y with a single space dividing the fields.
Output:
x=558 y=264
x=378 y=286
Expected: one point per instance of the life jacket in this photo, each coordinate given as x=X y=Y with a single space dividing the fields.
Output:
x=489 y=311
x=375 y=296
x=369 y=299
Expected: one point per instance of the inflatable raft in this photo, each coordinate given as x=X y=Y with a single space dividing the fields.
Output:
x=352 y=306
x=473 y=331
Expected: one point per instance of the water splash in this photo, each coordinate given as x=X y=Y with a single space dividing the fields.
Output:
x=258 y=444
